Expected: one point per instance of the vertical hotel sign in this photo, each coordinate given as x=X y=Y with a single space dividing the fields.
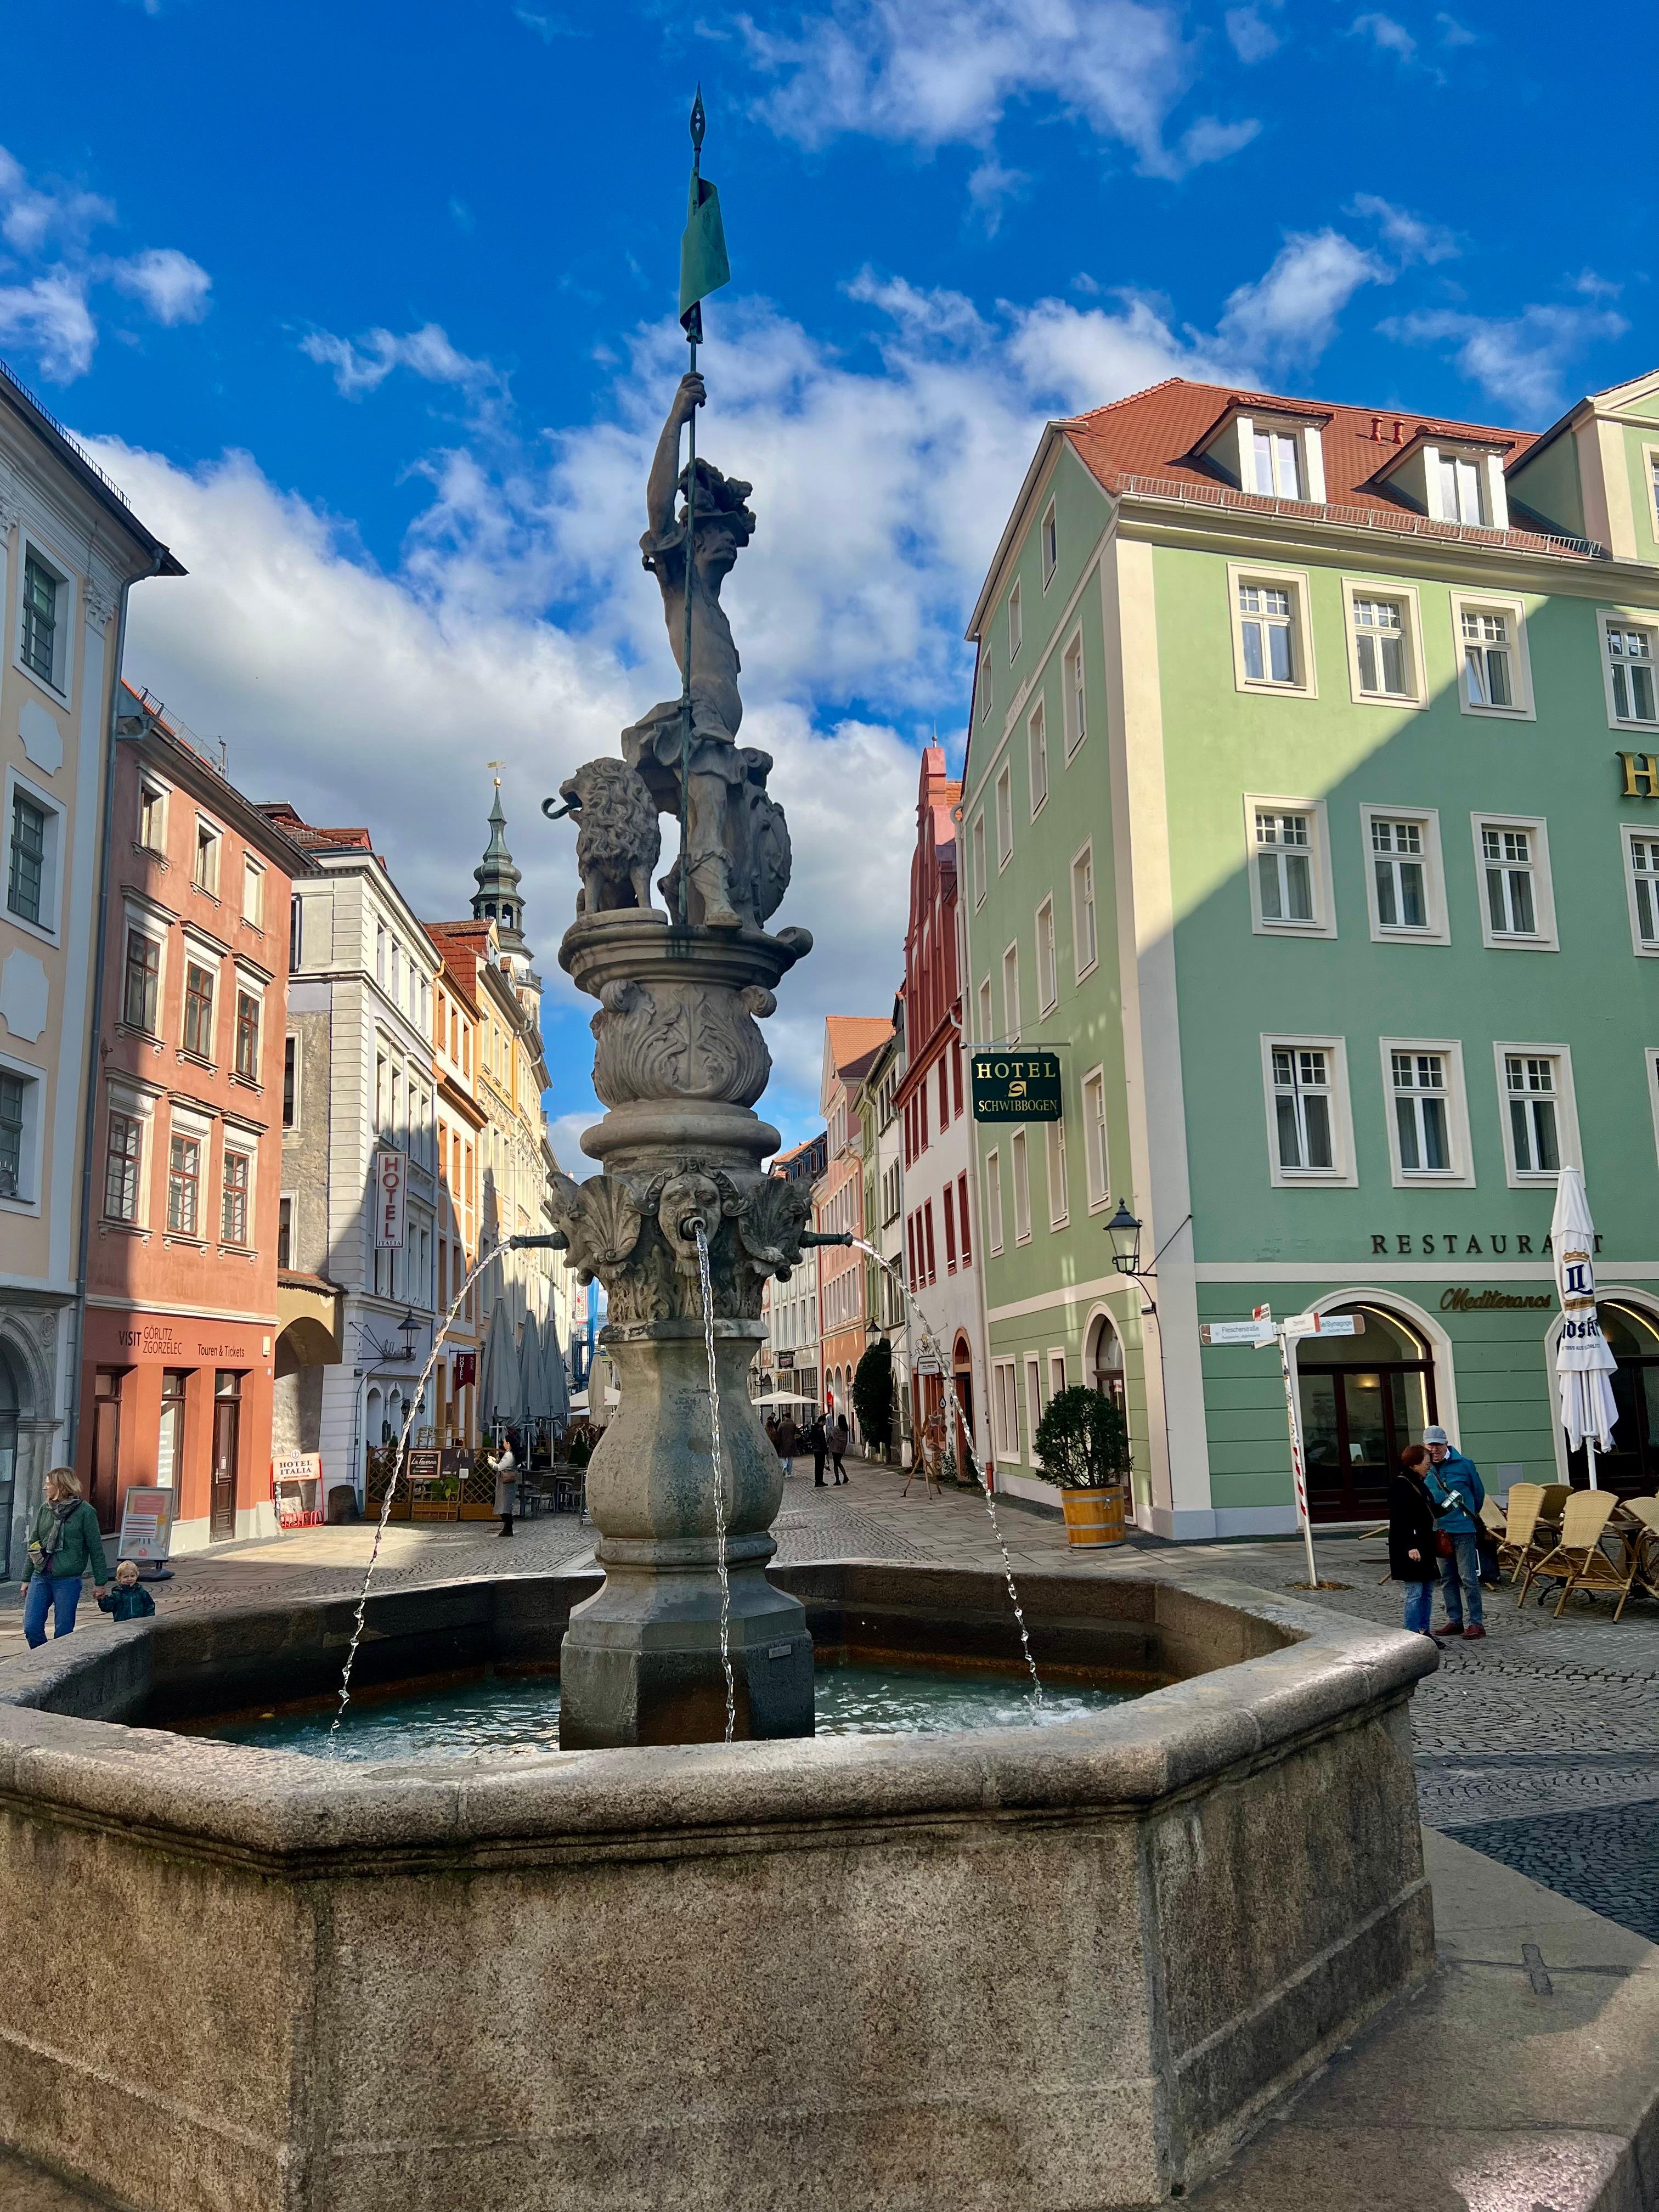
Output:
x=389 y=1194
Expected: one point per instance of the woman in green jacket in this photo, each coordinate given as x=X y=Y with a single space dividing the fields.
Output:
x=63 y=1544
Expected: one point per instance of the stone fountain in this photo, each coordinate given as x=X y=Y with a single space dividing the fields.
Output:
x=679 y=1062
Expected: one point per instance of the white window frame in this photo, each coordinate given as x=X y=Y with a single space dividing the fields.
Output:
x=1047 y=938
x=1343 y=1173
x=197 y=1128
x=1649 y=834
x=1048 y=544
x=216 y=846
x=1460 y=1175
x=253 y=873
x=1294 y=580
x=1084 y=857
x=28 y=1198
x=1324 y=919
x=66 y=616
x=1074 y=717
x=245 y=1146
x=157 y=787
x=981 y=884
x=1513 y=609
x=1010 y=1007
x=122 y=1096
x=1427 y=818
x=1059 y=1173
x=49 y=928
x=1015 y=623
x=1650 y=479
x=1005 y=1409
x=1056 y=1376
x=1410 y=629
x=140 y=918
x=993 y=1201
x=986 y=1017
x=1567 y=1112
x=1020 y=1175
x=1031 y=1363
x=1096 y=1135
x=1545 y=939
x=296 y=1038
x=1643 y=619
x=1003 y=798
x=1036 y=752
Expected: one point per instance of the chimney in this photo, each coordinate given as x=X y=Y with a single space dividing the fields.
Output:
x=1399 y=431
x=1376 y=429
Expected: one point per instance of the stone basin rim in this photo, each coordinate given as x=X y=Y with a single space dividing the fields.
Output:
x=251 y=1800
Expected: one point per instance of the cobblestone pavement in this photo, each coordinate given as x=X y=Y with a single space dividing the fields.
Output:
x=1539 y=1745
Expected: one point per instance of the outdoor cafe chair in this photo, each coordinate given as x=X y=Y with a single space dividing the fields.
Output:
x=1546 y=1532
x=1577 y=1559
x=1644 y=1543
x=1515 y=1535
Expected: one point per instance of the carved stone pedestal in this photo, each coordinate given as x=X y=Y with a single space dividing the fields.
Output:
x=679 y=1064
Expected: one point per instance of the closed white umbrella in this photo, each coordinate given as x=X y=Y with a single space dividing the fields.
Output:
x=556 y=1389
x=1582 y=1361
x=527 y=1389
x=495 y=1380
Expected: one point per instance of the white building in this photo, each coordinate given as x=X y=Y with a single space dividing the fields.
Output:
x=790 y=1359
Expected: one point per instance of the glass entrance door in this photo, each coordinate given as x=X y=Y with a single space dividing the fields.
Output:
x=1363 y=1400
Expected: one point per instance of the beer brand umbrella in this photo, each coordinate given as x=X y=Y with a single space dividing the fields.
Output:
x=1582 y=1361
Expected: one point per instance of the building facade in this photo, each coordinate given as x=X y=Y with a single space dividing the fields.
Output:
x=884 y=1209
x=789 y=1358
x=1311 y=813
x=70 y=547
x=182 y=1319
x=846 y=1288
x=938 y=1163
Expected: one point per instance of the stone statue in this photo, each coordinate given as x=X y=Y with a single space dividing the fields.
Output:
x=617 y=840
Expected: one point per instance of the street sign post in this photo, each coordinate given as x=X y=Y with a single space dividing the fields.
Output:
x=1260 y=1331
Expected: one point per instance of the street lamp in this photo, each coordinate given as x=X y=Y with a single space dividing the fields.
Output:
x=1125 y=1232
x=408 y=1328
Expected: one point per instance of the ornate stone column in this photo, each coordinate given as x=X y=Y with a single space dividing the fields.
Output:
x=680 y=1061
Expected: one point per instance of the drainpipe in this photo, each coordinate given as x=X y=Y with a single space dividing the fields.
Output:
x=89 y=1119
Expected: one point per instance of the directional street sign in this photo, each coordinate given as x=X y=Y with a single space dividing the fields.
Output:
x=1235 y=1332
x=1313 y=1324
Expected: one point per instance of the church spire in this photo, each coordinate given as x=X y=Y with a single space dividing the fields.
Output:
x=497 y=898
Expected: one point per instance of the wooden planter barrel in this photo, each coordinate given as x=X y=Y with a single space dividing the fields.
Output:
x=1093 y=1517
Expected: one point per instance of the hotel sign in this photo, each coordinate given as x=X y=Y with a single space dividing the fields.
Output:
x=388 y=1201
x=1016 y=1086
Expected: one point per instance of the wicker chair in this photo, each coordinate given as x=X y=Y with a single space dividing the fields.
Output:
x=1514 y=1538
x=1577 y=1560
x=1645 y=1543
x=1546 y=1532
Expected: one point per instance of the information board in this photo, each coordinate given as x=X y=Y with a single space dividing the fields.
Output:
x=1016 y=1086
x=146 y=1525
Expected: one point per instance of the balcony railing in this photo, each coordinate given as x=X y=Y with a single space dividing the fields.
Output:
x=1397 y=523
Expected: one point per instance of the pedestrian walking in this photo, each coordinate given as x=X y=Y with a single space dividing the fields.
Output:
x=772 y=1431
x=787 y=1442
x=63 y=1543
x=507 y=1484
x=817 y=1443
x=129 y=1600
x=838 y=1441
x=1457 y=1493
x=1412 y=1558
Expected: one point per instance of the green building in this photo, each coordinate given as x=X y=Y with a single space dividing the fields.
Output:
x=1311 y=809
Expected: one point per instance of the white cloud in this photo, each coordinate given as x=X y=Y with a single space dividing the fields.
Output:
x=1252 y=37
x=1411 y=238
x=1289 y=315
x=991 y=187
x=1521 y=360
x=1210 y=140
x=933 y=73
x=363 y=364
x=171 y=285
x=1388 y=36
x=46 y=310
x=1454 y=33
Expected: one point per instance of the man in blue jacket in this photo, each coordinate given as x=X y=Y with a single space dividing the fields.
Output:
x=1457 y=1493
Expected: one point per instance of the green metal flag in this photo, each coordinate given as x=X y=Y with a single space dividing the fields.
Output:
x=703 y=266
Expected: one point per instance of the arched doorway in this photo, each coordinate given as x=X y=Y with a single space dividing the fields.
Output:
x=1363 y=1400
x=11 y=1407
x=1102 y=1360
x=962 y=1382
x=1632 y=1467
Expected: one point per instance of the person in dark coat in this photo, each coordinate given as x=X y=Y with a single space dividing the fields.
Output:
x=129 y=1600
x=64 y=1544
x=818 y=1442
x=787 y=1442
x=838 y=1440
x=1411 y=1556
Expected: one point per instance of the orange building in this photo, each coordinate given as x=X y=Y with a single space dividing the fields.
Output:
x=182 y=1313
x=851 y=1042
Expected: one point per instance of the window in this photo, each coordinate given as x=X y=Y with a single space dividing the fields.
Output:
x=122 y=1161
x=1033 y=1397
x=1284 y=865
x=1021 y=1170
x=1265 y=630
x=41 y=620
x=1382 y=651
x=152 y=817
x=1037 y=739
x=994 y=1201
x=1422 y=1130
x=26 y=876
x=1085 y=944
x=1015 y=627
x=979 y=859
x=1056 y=1375
x=1050 y=536
x=1309 y=1132
x=1004 y=816
x=1641 y=860
x=1461 y=493
x=296 y=930
x=1059 y=1204
x=253 y=893
x=285 y=1232
x=290 y=1082
x=232 y=1221
x=1532 y=1093
x=19 y=1122
x=1011 y=995
x=1278 y=472
x=1048 y=962
x=962 y=1221
x=140 y=983
x=1630 y=672
x=1514 y=865
x=1074 y=703
x=1398 y=874
x=1096 y=1163
x=205 y=867
x=1488 y=670
x=184 y=1184
x=1004 y=1409
x=198 y=1011
x=988 y=1034
x=170 y=1442
x=247 y=1037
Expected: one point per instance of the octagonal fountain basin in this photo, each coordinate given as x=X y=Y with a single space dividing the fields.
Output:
x=1067 y=1965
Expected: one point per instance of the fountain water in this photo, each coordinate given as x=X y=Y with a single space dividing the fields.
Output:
x=719 y=1480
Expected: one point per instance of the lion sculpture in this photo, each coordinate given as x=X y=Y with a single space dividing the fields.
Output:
x=617 y=840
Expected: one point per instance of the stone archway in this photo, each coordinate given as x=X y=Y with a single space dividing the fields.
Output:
x=303 y=1350
x=28 y=1430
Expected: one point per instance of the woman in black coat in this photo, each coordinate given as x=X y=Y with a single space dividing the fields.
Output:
x=1412 y=1557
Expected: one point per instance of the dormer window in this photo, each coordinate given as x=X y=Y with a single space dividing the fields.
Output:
x=1461 y=491
x=1273 y=455
x=1277 y=461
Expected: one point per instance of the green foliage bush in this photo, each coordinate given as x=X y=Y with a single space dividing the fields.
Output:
x=872 y=1395
x=1081 y=1441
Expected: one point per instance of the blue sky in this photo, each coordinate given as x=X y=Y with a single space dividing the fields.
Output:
x=372 y=307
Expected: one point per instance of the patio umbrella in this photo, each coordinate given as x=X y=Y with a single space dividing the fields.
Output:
x=1582 y=1361
x=527 y=1390
x=556 y=1391
x=495 y=1389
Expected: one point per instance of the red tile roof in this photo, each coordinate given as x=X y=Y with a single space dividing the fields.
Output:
x=854 y=1038
x=306 y=835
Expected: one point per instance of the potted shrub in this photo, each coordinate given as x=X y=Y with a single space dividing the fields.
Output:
x=1083 y=1448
